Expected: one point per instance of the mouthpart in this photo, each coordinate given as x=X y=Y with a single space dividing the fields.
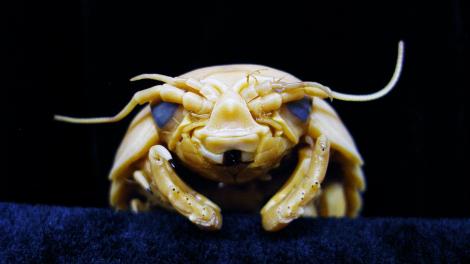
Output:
x=228 y=158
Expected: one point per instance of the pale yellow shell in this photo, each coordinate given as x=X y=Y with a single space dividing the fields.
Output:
x=142 y=135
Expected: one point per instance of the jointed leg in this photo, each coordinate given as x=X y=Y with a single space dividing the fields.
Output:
x=342 y=197
x=196 y=207
x=287 y=204
x=332 y=201
x=152 y=196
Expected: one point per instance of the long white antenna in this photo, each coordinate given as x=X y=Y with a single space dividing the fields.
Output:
x=367 y=97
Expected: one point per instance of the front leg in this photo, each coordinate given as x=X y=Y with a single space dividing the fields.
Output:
x=302 y=186
x=196 y=207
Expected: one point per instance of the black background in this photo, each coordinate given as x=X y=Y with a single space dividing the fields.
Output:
x=75 y=58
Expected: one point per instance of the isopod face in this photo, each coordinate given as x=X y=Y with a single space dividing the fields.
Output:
x=244 y=135
x=233 y=124
x=241 y=126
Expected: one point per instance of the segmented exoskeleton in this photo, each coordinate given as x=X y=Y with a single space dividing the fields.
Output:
x=233 y=124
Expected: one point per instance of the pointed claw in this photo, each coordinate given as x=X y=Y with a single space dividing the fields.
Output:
x=140 y=179
x=163 y=152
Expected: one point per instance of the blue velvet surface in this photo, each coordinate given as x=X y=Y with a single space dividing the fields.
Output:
x=49 y=234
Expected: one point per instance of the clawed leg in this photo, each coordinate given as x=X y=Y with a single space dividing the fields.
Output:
x=332 y=201
x=342 y=197
x=303 y=185
x=196 y=207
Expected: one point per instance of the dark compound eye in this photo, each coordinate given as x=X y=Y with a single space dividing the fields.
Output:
x=162 y=112
x=301 y=108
